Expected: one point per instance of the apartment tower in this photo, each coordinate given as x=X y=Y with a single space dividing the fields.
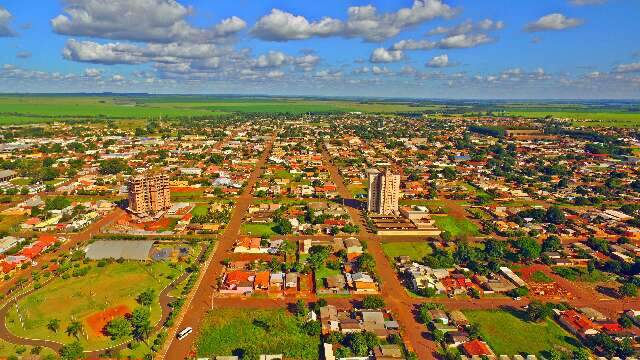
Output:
x=384 y=192
x=149 y=193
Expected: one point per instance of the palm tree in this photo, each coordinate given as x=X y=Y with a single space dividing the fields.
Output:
x=74 y=329
x=53 y=325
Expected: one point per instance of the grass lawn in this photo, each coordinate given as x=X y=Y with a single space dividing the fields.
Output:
x=257 y=229
x=187 y=195
x=200 y=210
x=541 y=277
x=357 y=190
x=79 y=297
x=229 y=331
x=416 y=250
x=322 y=274
x=507 y=334
x=457 y=227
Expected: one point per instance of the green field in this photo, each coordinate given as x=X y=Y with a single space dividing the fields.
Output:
x=255 y=331
x=322 y=273
x=200 y=210
x=457 y=227
x=507 y=334
x=48 y=108
x=257 y=229
x=79 y=297
x=416 y=250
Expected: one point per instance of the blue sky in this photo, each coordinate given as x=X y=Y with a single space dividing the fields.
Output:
x=400 y=48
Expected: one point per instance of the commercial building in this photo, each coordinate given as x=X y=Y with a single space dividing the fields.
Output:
x=149 y=193
x=384 y=192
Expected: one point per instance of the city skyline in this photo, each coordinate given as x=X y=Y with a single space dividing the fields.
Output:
x=568 y=49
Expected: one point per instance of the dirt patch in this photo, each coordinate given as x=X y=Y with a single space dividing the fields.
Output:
x=99 y=320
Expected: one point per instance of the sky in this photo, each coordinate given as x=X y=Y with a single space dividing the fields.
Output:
x=460 y=49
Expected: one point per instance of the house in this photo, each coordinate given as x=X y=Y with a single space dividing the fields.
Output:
x=476 y=348
x=456 y=338
x=439 y=316
x=577 y=323
x=261 y=281
x=388 y=352
x=276 y=281
x=291 y=281
x=458 y=318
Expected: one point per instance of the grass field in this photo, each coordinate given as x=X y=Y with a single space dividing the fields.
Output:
x=416 y=250
x=322 y=273
x=8 y=223
x=507 y=334
x=8 y=349
x=257 y=229
x=255 y=331
x=80 y=297
x=200 y=210
x=457 y=227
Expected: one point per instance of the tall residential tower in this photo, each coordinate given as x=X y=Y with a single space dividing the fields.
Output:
x=149 y=193
x=384 y=192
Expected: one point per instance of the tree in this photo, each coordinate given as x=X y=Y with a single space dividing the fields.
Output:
x=113 y=167
x=552 y=243
x=318 y=255
x=555 y=215
x=72 y=351
x=300 y=308
x=581 y=354
x=528 y=248
x=141 y=323
x=53 y=325
x=366 y=263
x=373 y=302
x=538 y=311
x=119 y=328
x=628 y=290
x=282 y=226
x=147 y=297
x=74 y=329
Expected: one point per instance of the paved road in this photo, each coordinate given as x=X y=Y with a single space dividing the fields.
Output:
x=203 y=300
x=396 y=297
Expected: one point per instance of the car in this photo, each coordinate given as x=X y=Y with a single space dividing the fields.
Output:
x=184 y=333
x=517 y=298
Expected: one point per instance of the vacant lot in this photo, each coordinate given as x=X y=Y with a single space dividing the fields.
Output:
x=508 y=334
x=416 y=250
x=258 y=229
x=456 y=227
x=255 y=331
x=77 y=298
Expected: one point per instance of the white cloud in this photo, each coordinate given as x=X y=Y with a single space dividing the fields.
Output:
x=382 y=55
x=627 y=68
x=414 y=45
x=160 y=21
x=460 y=41
x=5 y=20
x=377 y=70
x=555 y=21
x=463 y=41
x=467 y=27
x=362 y=21
x=93 y=73
x=439 y=61
x=282 y=26
x=307 y=62
x=271 y=60
x=117 y=77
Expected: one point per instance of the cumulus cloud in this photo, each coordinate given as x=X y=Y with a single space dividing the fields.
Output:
x=377 y=70
x=5 y=20
x=93 y=73
x=460 y=41
x=362 y=21
x=138 y=20
x=553 y=22
x=282 y=26
x=439 y=61
x=382 y=55
x=628 y=68
x=467 y=27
